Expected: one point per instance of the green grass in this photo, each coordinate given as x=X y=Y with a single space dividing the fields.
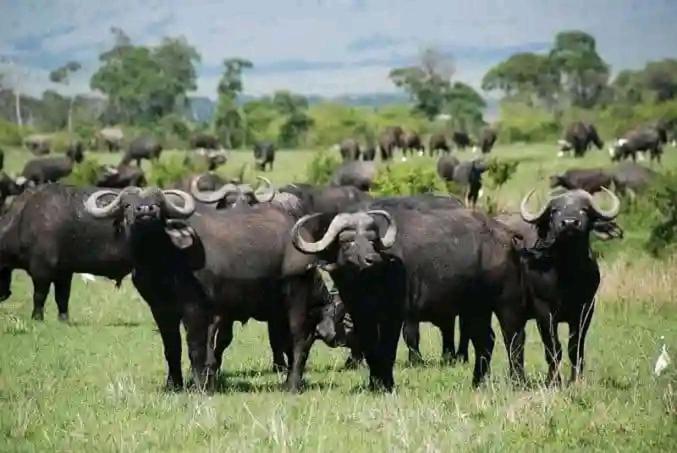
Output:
x=96 y=384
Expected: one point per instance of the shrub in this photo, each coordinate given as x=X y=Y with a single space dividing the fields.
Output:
x=663 y=234
x=85 y=173
x=407 y=178
x=499 y=172
x=521 y=123
x=322 y=167
x=166 y=172
x=10 y=134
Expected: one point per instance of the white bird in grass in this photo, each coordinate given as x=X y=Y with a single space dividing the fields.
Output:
x=663 y=360
x=87 y=278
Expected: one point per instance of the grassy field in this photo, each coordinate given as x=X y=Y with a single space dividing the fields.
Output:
x=96 y=383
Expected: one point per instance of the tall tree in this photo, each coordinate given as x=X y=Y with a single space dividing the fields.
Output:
x=297 y=122
x=585 y=73
x=427 y=82
x=229 y=120
x=62 y=75
x=660 y=77
x=465 y=105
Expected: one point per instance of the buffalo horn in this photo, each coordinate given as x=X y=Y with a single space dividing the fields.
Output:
x=268 y=194
x=388 y=239
x=610 y=213
x=210 y=196
x=524 y=212
x=177 y=211
x=337 y=224
x=107 y=210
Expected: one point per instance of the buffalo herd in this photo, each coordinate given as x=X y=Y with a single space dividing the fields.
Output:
x=326 y=262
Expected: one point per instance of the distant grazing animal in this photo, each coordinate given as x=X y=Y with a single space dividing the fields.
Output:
x=438 y=143
x=121 y=176
x=350 y=149
x=630 y=178
x=264 y=155
x=638 y=140
x=204 y=159
x=202 y=140
x=356 y=173
x=51 y=169
x=48 y=233
x=560 y=275
x=111 y=137
x=461 y=139
x=143 y=147
x=487 y=139
x=38 y=144
x=591 y=180
x=578 y=137
x=391 y=138
x=369 y=152
x=412 y=143
x=466 y=174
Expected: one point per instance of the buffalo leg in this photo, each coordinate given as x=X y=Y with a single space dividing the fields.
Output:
x=578 y=329
x=40 y=292
x=448 y=348
x=168 y=321
x=553 y=349
x=278 y=336
x=196 y=320
x=412 y=337
x=381 y=359
x=220 y=338
x=62 y=293
x=464 y=340
x=301 y=330
x=482 y=338
x=355 y=358
x=512 y=326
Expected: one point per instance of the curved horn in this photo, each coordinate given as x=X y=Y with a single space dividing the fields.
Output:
x=176 y=211
x=610 y=213
x=104 y=211
x=337 y=224
x=388 y=239
x=209 y=196
x=268 y=194
x=524 y=212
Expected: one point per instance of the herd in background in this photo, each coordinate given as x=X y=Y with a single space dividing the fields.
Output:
x=394 y=261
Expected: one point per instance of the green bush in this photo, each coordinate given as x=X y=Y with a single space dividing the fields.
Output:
x=10 y=134
x=322 y=167
x=407 y=178
x=85 y=173
x=166 y=172
x=663 y=234
x=521 y=123
x=499 y=172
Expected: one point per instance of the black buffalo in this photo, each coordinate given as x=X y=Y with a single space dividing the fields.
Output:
x=411 y=143
x=391 y=139
x=350 y=149
x=47 y=233
x=369 y=152
x=209 y=270
x=8 y=188
x=591 y=180
x=326 y=200
x=461 y=139
x=467 y=174
x=638 y=140
x=397 y=263
x=121 y=176
x=560 y=275
x=264 y=155
x=51 y=169
x=630 y=178
x=359 y=174
x=578 y=137
x=204 y=140
x=206 y=160
x=487 y=139
x=144 y=147
x=438 y=143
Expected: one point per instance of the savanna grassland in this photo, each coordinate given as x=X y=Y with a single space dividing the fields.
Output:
x=96 y=383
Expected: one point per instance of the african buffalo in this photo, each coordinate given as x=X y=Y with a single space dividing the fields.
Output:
x=578 y=136
x=467 y=174
x=461 y=139
x=438 y=143
x=560 y=275
x=630 y=178
x=638 y=140
x=143 y=147
x=47 y=233
x=264 y=155
x=203 y=140
x=411 y=142
x=38 y=144
x=121 y=176
x=51 y=169
x=591 y=180
x=326 y=200
x=207 y=271
x=369 y=152
x=350 y=149
x=487 y=139
x=396 y=263
x=391 y=138
x=111 y=137
x=355 y=173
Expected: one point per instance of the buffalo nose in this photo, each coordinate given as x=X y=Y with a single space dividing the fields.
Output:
x=571 y=222
x=143 y=209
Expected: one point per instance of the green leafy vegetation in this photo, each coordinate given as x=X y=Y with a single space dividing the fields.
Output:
x=85 y=173
x=407 y=178
x=321 y=167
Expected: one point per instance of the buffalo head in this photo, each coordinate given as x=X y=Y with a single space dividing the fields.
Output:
x=233 y=195
x=570 y=214
x=148 y=210
x=356 y=237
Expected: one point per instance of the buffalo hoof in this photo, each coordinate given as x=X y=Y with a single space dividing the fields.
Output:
x=352 y=363
x=5 y=296
x=172 y=386
x=415 y=359
x=386 y=385
x=38 y=315
x=294 y=387
x=63 y=317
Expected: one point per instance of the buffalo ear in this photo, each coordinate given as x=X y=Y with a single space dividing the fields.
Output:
x=181 y=234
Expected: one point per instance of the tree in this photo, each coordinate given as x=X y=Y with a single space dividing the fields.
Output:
x=62 y=75
x=660 y=77
x=584 y=72
x=145 y=84
x=465 y=105
x=13 y=76
x=297 y=121
x=55 y=110
x=428 y=82
x=229 y=120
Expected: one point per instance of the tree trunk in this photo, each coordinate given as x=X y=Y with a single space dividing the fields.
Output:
x=17 y=105
x=70 y=115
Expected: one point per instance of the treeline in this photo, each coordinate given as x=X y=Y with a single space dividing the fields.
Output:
x=147 y=88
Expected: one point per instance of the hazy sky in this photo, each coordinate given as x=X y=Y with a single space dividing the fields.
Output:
x=329 y=47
